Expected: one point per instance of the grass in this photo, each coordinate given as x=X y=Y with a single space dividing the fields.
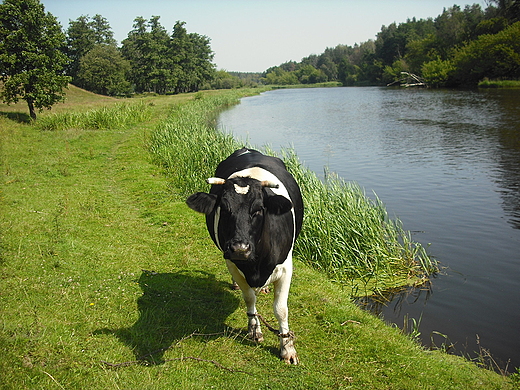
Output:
x=117 y=116
x=101 y=262
x=499 y=84
x=186 y=142
x=351 y=238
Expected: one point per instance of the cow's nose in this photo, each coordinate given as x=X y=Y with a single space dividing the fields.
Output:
x=240 y=250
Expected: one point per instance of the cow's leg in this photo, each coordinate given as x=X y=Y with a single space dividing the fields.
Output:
x=281 y=311
x=254 y=332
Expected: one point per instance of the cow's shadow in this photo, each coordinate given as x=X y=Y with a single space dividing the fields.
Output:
x=174 y=305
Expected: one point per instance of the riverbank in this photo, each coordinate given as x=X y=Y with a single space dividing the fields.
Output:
x=499 y=84
x=109 y=281
x=345 y=234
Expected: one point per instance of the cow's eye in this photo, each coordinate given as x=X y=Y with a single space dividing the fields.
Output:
x=257 y=213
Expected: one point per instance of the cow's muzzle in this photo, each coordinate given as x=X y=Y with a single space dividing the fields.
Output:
x=238 y=250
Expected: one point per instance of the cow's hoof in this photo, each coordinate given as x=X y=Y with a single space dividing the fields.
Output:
x=257 y=337
x=291 y=359
x=287 y=350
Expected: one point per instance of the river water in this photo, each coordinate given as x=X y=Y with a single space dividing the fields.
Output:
x=447 y=163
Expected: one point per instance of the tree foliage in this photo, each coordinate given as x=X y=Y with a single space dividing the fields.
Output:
x=82 y=35
x=103 y=70
x=495 y=56
x=459 y=47
x=31 y=62
x=161 y=63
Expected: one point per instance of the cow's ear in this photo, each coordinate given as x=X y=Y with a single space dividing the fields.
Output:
x=202 y=202
x=278 y=204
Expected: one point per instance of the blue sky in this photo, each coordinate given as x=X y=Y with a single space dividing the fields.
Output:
x=253 y=35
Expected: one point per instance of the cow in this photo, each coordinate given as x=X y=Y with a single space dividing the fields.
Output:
x=254 y=212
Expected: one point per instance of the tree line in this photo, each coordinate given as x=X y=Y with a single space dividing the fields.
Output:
x=38 y=59
x=460 y=47
x=149 y=59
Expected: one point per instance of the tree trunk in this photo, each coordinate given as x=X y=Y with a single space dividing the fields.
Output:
x=32 y=112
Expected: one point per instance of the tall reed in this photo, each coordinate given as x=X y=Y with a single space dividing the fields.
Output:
x=187 y=144
x=117 y=116
x=350 y=236
x=345 y=234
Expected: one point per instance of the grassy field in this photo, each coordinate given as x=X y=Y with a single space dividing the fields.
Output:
x=109 y=281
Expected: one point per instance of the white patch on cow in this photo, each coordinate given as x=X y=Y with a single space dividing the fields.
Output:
x=241 y=190
x=262 y=174
x=215 y=228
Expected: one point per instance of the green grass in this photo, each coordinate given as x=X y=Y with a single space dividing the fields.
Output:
x=499 y=84
x=116 y=116
x=351 y=238
x=101 y=262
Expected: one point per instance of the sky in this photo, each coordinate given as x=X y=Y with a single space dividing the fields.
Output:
x=254 y=35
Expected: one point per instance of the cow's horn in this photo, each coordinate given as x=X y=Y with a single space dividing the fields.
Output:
x=215 y=180
x=269 y=184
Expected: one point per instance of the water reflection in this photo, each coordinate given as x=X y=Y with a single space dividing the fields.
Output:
x=508 y=159
x=396 y=299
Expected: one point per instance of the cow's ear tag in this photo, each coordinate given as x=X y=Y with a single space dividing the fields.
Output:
x=278 y=204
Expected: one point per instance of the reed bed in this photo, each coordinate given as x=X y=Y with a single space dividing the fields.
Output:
x=350 y=236
x=187 y=144
x=114 y=117
x=345 y=234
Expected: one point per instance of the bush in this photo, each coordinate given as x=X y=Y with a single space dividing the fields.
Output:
x=436 y=73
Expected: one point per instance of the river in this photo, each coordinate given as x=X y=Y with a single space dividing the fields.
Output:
x=447 y=163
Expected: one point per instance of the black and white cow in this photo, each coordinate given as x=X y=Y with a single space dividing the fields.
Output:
x=254 y=212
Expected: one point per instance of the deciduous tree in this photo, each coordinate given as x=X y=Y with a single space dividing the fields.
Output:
x=103 y=70
x=31 y=58
x=82 y=35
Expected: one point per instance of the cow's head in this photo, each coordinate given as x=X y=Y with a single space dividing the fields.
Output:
x=241 y=206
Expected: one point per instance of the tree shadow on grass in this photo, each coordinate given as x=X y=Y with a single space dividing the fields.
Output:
x=173 y=306
x=19 y=117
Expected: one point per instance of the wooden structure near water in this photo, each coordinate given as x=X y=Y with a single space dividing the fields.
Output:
x=409 y=80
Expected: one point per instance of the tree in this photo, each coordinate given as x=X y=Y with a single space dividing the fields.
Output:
x=200 y=65
x=495 y=56
x=308 y=74
x=436 y=73
x=149 y=56
x=31 y=58
x=224 y=80
x=135 y=49
x=279 y=76
x=192 y=56
x=103 y=70
x=509 y=9
x=161 y=77
x=347 y=72
x=82 y=35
